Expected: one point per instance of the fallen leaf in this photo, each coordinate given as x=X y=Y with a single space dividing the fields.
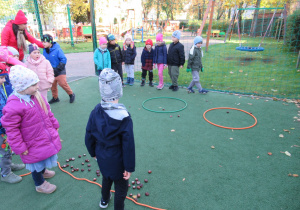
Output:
x=250 y=104
x=290 y=174
x=220 y=166
x=172 y=130
x=241 y=71
x=273 y=90
x=257 y=157
x=231 y=138
x=281 y=135
x=285 y=130
x=212 y=147
x=270 y=153
x=231 y=72
x=295 y=175
x=183 y=179
x=134 y=196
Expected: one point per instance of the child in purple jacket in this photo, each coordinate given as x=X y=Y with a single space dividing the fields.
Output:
x=31 y=128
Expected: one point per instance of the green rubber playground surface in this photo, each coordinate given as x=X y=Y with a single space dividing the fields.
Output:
x=186 y=172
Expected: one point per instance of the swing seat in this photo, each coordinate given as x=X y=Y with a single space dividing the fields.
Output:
x=250 y=49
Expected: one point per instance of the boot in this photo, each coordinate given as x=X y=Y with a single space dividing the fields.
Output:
x=151 y=84
x=171 y=87
x=11 y=178
x=128 y=81
x=53 y=100
x=17 y=167
x=72 y=97
x=131 y=81
x=46 y=187
x=143 y=82
x=175 y=88
x=48 y=174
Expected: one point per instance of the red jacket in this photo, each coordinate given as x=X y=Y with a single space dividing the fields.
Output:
x=8 y=38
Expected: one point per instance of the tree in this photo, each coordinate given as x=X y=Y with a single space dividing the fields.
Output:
x=147 y=6
x=80 y=10
x=255 y=17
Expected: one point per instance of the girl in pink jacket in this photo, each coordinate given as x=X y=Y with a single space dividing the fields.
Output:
x=31 y=128
x=42 y=67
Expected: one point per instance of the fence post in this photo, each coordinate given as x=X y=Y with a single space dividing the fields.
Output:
x=70 y=25
x=284 y=22
x=37 y=15
x=94 y=33
x=210 y=24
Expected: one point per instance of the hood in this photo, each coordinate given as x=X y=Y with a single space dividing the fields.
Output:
x=39 y=61
x=110 y=126
x=55 y=46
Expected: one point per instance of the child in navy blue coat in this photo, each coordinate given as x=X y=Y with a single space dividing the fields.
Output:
x=109 y=139
x=147 y=62
x=129 y=54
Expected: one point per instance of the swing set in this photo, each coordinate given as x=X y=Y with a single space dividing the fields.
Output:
x=259 y=47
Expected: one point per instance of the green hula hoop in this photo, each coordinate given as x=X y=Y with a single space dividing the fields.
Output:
x=164 y=111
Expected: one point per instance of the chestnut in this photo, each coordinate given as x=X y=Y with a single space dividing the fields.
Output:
x=146 y=193
x=98 y=174
x=79 y=156
x=73 y=158
x=146 y=180
x=138 y=182
x=149 y=172
x=141 y=185
x=82 y=163
x=138 y=195
x=89 y=169
x=94 y=179
x=89 y=165
x=136 y=179
x=129 y=185
x=130 y=194
x=84 y=154
x=82 y=170
x=133 y=187
x=138 y=187
x=133 y=182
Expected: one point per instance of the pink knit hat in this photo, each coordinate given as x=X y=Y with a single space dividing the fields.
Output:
x=102 y=40
x=159 y=37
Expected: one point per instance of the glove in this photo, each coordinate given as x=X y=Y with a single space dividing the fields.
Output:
x=188 y=70
x=202 y=69
x=61 y=66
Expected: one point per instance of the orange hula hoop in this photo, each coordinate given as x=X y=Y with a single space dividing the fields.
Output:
x=230 y=127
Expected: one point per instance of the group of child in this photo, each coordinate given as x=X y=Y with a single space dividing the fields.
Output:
x=110 y=55
x=29 y=128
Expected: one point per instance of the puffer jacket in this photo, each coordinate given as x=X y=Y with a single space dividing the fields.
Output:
x=160 y=54
x=102 y=60
x=176 y=54
x=44 y=71
x=129 y=54
x=57 y=59
x=195 y=59
x=28 y=127
x=8 y=38
x=115 y=53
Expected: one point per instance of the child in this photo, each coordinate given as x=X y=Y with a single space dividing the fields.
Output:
x=31 y=127
x=176 y=59
x=109 y=139
x=58 y=60
x=102 y=56
x=160 y=59
x=115 y=55
x=147 y=62
x=6 y=166
x=42 y=67
x=195 y=65
x=14 y=52
x=129 y=53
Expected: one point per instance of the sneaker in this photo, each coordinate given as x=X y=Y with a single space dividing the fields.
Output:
x=123 y=85
x=53 y=100
x=190 y=90
x=160 y=87
x=175 y=88
x=151 y=84
x=143 y=82
x=171 y=87
x=17 y=167
x=46 y=188
x=48 y=174
x=11 y=178
x=131 y=81
x=104 y=204
x=72 y=97
x=203 y=91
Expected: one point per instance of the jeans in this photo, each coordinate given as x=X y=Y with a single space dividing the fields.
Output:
x=38 y=177
x=118 y=68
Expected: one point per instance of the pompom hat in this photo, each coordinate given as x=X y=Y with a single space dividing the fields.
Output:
x=159 y=37
x=149 y=41
x=110 y=84
x=32 y=47
x=102 y=40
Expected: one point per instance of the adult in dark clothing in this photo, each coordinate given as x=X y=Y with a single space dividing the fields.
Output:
x=176 y=59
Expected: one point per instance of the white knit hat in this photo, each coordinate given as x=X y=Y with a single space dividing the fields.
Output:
x=110 y=84
x=22 y=78
x=128 y=36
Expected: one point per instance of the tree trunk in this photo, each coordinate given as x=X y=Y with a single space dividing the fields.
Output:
x=43 y=12
x=255 y=17
x=157 y=10
x=229 y=13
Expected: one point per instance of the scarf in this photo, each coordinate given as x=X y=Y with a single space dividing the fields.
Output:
x=21 y=40
x=111 y=106
x=25 y=98
x=38 y=61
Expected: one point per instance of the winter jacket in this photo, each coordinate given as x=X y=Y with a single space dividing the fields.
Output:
x=129 y=54
x=8 y=38
x=147 y=59
x=102 y=60
x=28 y=127
x=112 y=142
x=57 y=59
x=195 y=59
x=115 y=53
x=176 y=54
x=44 y=71
x=3 y=100
x=160 y=54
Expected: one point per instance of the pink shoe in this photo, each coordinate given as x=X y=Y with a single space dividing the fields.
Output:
x=46 y=188
x=160 y=86
x=48 y=174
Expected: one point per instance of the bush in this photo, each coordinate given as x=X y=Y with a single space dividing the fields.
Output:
x=184 y=24
x=293 y=31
